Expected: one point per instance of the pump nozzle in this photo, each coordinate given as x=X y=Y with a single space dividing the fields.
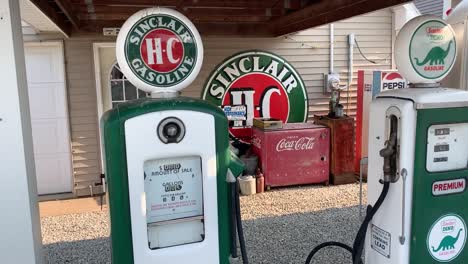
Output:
x=389 y=155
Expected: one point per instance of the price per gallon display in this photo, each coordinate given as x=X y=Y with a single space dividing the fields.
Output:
x=174 y=188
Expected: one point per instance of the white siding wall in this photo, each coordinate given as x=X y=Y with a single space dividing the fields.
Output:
x=308 y=51
x=83 y=114
x=430 y=7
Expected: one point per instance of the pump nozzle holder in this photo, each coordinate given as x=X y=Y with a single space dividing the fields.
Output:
x=388 y=153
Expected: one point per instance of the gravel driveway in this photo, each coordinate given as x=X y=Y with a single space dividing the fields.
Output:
x=281 y=226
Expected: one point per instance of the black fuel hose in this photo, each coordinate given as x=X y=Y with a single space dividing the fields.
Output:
x=359 y=241
x=358 y=245
x=232 y=205
x=240 y=230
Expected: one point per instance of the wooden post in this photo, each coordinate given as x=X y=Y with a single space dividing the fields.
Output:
x=20 y=236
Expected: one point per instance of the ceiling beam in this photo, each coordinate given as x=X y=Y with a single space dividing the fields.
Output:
x=67 y=9
x=188 y=10
x=205 y=28
x=234 y=29
x=220 y=18
x=135 y=2
x=263 y=12
x=58 y=20
x=292 y=4
x=194 y=14
x=187 y=3
x=325 y=12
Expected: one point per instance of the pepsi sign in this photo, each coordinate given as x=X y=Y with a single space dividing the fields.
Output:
x=392 y=81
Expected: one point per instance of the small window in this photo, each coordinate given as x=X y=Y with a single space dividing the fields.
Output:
x=121 y=89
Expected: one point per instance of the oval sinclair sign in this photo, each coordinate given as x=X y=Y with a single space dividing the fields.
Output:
x=266 y=84
x=159 y=49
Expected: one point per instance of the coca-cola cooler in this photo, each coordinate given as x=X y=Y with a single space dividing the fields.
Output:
x=296 y=154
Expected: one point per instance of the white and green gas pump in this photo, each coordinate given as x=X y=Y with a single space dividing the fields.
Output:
x=418 y=159
x=418 y=155
x=169 y=172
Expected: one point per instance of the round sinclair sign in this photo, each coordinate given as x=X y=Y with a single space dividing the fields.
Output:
x=159 y=49
x=446 y=238
x=264 y=83
x=425 y=50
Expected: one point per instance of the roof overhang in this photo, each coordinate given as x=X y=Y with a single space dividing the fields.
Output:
x=36 y=21
x=211 y=17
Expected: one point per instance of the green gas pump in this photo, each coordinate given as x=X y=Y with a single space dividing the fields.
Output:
x=418 y=158
x=171 y=178
x=423 y=219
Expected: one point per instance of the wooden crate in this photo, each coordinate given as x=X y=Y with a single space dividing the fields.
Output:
x=267 y=123
x=341 y=148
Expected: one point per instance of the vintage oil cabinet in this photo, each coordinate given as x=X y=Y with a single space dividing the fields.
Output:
x=341 y=148
x=296 y=154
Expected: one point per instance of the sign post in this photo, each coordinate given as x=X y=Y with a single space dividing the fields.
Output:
x=20 y=231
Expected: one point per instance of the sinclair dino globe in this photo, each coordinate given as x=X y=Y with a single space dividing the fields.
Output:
x=428 y=53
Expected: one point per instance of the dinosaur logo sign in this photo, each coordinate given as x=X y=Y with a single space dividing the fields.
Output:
x=265 y=83
x=446 y=238
x=432 y=49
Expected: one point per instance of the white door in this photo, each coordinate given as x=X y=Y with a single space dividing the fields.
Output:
x=49 y=116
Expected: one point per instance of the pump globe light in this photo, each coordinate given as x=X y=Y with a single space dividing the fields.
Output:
x=425 y=50
x=159 y=50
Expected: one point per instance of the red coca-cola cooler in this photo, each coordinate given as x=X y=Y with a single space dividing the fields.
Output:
x=296 y=154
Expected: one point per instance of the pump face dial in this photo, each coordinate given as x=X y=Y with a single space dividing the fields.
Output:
x=171 y=130
x=447 y=147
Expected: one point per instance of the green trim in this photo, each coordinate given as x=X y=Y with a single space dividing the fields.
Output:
x=117 y=183
x=427 y=208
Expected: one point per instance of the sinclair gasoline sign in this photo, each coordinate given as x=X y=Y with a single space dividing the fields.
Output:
x=266 y=84
x=159 y=48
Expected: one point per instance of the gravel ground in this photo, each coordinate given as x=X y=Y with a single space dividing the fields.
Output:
x=281 y=227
